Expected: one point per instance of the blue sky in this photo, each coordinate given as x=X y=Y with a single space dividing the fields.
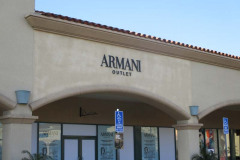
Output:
x=213 y=24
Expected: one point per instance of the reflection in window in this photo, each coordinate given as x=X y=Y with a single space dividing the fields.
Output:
x=106 y=147
x=201 y=138
x=176 y=140
x=149 y=137
x=237 y=143
x=50 y=140
x=222 y=145
x=0 y=141
x=211 y=140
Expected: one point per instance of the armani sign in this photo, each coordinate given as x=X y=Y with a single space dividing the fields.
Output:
x=121 y=66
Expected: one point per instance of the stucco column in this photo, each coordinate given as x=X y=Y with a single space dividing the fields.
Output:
x=187 y=138
x=17 y=131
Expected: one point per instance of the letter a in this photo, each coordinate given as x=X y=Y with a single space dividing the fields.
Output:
x=104 y=61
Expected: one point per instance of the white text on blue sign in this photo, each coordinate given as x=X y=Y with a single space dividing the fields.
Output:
x=119 y=121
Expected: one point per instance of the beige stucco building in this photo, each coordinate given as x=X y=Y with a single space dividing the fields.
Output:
x=79 y=73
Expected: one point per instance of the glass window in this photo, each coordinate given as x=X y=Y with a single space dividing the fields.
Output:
x=50 y=140
x=0 y=141
x=211 y=140
x=176 y=139
x=222 y=146
x=149 y=138
x=106 y=143
x=201 y=138
x=237 y=143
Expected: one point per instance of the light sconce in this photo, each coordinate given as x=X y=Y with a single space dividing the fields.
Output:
x=83 y=112
x=22 y=96
x=194 y=110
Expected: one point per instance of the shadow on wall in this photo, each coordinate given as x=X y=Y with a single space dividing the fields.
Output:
x=214 y=119
x=135 y=113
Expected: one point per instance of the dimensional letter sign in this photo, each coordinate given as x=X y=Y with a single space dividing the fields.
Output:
x=225 y=126
x=121 y=66
x=119 y=121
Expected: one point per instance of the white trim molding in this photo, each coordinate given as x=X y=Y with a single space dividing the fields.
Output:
x=18 y=119
x=190 y=126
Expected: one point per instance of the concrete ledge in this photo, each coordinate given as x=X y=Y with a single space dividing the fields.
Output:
x=6 y=103
x=18 y=119
x=190 y=126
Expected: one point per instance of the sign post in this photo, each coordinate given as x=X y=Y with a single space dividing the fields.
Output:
x=225 y=131
x=119 y=129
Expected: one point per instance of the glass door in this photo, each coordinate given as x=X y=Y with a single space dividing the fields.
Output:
x=79 y=148
x=88 y=149
x=71 y=150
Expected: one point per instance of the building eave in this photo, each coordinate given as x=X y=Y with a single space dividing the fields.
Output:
x=92 y=33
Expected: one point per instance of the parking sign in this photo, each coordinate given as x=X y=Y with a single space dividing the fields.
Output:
x=225 y=125
x=119 y=121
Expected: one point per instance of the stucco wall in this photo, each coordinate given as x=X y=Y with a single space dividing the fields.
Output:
x=63 y=62
x=16 y=44
x=212 y=85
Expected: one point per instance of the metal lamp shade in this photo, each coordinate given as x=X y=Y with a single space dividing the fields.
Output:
x=22 y=96
x=194 y=110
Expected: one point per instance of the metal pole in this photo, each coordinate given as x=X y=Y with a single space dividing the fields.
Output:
x=118 y=154
x=118 y=150
x=226 y=146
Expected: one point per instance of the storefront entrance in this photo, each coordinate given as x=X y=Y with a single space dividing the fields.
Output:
x=65 y=133
x=79 y=148
x=212 y=136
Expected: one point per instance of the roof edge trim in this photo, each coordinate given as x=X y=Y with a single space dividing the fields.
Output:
x=83 y=31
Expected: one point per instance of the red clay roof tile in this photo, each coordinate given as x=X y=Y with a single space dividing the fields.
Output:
x=134 y=33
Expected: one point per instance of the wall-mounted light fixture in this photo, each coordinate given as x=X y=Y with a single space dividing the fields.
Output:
x=22 y=96
x=83 y=112
x=194 y=110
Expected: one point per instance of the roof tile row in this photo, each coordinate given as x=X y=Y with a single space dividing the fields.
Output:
x=134 y=33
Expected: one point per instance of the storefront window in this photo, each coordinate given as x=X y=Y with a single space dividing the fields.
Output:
x=211 y=140
x=222 y=146
x=201 y=138
x=237 y=143
x=106 y=145
x=50 y=140
x=0 y=141
x=176 y=139
x=149 y=138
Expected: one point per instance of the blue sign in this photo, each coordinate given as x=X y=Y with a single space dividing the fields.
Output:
x=119 y=121
x=225 y=125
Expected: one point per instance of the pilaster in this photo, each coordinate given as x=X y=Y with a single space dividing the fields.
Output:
x=187 y=138
x=17 y=130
